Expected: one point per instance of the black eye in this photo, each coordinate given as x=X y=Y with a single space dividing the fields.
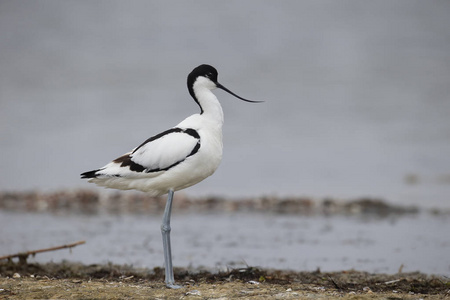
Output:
x=209 y=75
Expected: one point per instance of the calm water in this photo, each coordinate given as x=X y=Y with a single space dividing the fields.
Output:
x=218 y=241
x=357 y=94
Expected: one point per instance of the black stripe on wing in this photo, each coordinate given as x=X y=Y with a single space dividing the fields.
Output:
x=126 y=160
x=190 y=131
x=90 y=174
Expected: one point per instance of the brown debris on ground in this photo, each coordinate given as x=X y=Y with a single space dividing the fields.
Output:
x=92 y=202
x=77 y=281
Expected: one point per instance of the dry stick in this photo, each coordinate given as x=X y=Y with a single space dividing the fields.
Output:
x=26 y=254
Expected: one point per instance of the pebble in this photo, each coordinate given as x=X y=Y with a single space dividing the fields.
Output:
x=194 y=293
x=16 y=275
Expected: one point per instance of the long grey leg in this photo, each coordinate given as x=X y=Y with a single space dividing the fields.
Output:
x=165 y=230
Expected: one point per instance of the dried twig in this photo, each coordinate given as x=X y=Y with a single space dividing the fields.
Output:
x=392 y=281
x=24 y=255
x=334 y=283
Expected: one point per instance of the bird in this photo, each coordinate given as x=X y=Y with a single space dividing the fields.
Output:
x=174 y=159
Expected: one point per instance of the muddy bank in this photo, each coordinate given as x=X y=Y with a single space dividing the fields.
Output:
x=93 y=202
x=76 y=281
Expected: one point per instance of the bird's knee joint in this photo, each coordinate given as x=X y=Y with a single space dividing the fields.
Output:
x=165 y=228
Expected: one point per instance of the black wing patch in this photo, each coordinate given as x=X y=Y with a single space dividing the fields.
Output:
x=125 y=161
x=89 y=174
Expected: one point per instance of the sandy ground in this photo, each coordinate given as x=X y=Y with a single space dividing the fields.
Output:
x=76 y=281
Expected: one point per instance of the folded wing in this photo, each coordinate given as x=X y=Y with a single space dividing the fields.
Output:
x=159 y=153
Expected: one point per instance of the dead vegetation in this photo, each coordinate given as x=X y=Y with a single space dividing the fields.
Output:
x=70 y=280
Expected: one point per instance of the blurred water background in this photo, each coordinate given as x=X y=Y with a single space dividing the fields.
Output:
x=357 y=94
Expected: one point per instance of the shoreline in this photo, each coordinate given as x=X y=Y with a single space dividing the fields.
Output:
x=92 y=202
x=73 y=280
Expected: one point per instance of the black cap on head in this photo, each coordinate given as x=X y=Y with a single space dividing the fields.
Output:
x=202 y=70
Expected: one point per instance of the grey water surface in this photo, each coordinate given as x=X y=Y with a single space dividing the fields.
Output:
x=220 y=241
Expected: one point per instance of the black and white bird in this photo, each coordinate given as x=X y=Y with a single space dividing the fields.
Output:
x=176 y=158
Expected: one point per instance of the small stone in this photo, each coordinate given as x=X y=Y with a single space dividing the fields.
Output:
x=194 y=293
x=16 y=275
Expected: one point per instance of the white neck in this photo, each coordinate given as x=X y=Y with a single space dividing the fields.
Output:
x=209 y=103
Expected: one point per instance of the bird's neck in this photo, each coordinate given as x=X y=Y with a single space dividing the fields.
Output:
x=210 y=106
